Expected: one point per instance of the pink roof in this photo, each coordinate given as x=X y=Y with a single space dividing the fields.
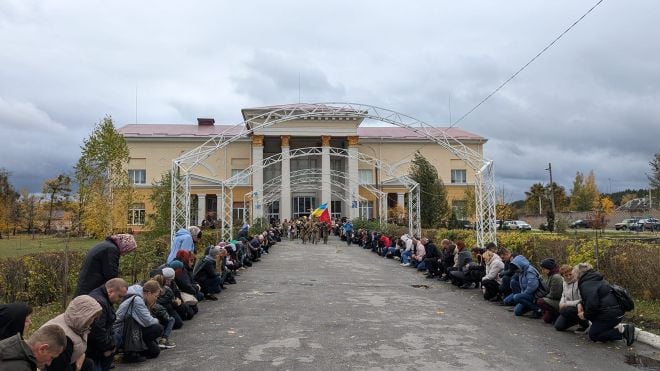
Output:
x=206 y=131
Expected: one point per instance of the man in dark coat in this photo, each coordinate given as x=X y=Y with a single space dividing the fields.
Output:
x=601 y=307
x=102 y=262
x=433 y=254
x=39 y=351
x=205 y=273
x=100 y=342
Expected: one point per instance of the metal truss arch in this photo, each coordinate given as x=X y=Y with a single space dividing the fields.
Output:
x=484 y=171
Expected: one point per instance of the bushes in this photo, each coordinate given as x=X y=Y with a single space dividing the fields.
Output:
x=38 y=278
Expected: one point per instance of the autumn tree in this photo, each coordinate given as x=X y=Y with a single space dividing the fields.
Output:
x=58 y=190
x=104 y=192
x=8 y=201
x=160 y=197
x=30 y=208
x=584 y=195
x=434 y=208
x=539 y=195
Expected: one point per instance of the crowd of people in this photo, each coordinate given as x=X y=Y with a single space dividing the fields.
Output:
x=91 y=333
x=564 y=296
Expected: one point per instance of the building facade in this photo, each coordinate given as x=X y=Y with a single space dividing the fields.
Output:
x=319 y=159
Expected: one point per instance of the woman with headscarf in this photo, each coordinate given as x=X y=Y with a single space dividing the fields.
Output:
x=102 y=262
x=14 y=318
x=76 y=321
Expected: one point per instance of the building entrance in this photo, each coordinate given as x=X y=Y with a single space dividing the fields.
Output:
x=303 y=206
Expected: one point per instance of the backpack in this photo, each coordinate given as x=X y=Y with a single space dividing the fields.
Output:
x=623 y=297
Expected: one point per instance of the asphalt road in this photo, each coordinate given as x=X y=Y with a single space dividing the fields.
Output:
x=333 y=307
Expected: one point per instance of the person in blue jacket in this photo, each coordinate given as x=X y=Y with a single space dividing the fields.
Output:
x=528 y=283
x=184 y=239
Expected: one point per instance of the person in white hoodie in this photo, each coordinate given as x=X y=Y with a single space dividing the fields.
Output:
x=136 y=303
x=490 y=283
x=408 y=250
x=570 y=298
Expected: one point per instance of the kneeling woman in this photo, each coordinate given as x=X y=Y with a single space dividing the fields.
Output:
x=136 y=304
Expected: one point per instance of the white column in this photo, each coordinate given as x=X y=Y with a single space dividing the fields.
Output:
x=218 y=206
x=326 y=191
x=400 y=200
x=258 y=175
x=201 y=209
x=353 y=185
x=285 y=198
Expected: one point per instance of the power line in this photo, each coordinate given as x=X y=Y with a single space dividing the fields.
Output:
x=527 y=64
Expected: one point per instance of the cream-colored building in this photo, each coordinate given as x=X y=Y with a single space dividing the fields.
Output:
x=154 y=146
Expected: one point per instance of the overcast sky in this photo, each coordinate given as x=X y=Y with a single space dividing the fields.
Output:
x=592 y=101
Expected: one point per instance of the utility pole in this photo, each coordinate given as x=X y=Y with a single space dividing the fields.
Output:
x=552 y=197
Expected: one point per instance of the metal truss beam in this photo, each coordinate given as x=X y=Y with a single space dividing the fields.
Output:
x=484 y=195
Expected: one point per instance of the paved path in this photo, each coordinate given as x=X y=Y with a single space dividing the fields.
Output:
x=335 y=307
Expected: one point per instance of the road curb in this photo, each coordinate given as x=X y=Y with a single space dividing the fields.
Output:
x=648 y=338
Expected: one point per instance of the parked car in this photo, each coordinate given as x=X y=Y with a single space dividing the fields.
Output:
x=625 y=223
x=517 y=224
x=648 y=224
x=465 y=224
x=652 y=224
x=581 y=223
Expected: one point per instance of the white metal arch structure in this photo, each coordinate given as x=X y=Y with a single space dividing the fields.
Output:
x=272 y=188
x=226 y=216
x=484 y=171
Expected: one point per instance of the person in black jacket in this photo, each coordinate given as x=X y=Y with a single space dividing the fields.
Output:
x=205 y=273
x=102 y=262
x=600 y=306
x=100 y=342
x=433 y=257
x=183 y=275
x=15 y=318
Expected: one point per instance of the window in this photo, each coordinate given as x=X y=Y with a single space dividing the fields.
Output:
x=458 y=176
x=272 y=171
x=244 y=179
x=459 y=207
x=273 y=211
x=335 y=209
x=136 y=214
x=366 y=176
x=137 y=176
x=303 y=205
x=238 y=212
x=366 y=209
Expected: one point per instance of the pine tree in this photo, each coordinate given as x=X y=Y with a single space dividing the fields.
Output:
x=434 y=208
x=58 y=190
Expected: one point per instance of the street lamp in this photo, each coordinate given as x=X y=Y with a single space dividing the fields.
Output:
x=552 y=197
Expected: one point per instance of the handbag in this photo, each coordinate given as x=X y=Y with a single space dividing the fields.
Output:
x=188 y=299
x=132 y=332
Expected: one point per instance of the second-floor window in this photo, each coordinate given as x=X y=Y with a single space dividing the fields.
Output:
x=137 y=176
x=366 y=176
x=243 y=179
x=458 y=176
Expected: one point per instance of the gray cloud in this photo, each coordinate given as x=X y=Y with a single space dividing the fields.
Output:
x=590 y=102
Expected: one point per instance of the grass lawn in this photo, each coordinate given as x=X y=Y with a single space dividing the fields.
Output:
x=24 y=244
x=646 y=315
